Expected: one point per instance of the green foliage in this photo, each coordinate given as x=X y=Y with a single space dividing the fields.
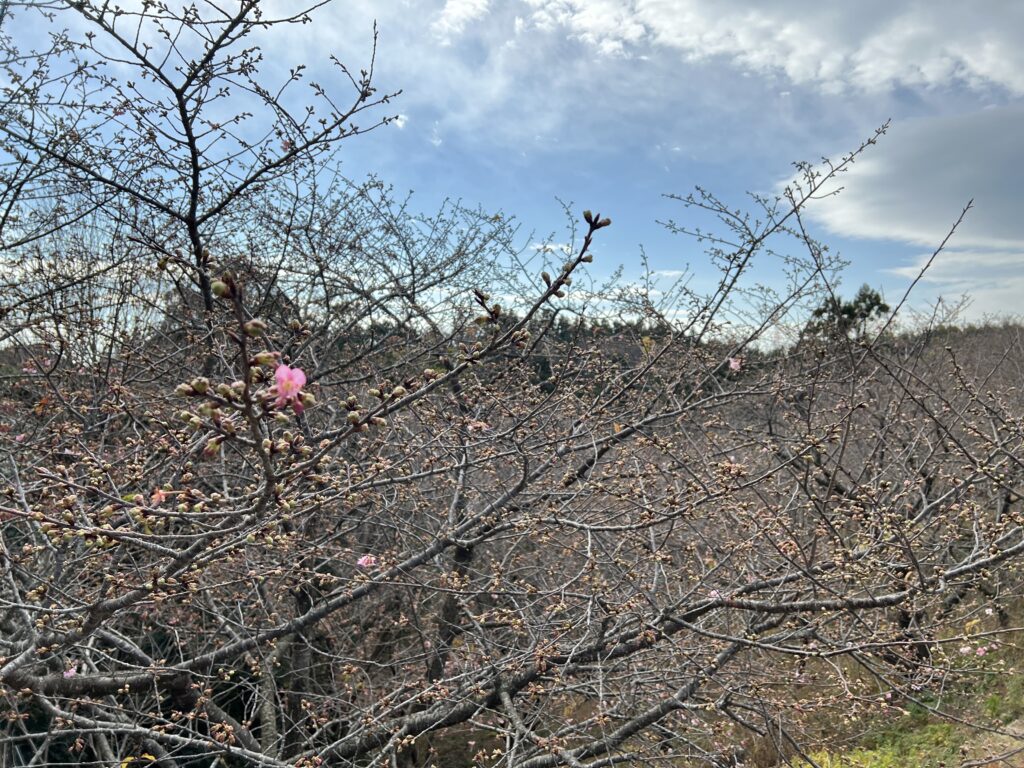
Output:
x=930 y=744
x=847 y=319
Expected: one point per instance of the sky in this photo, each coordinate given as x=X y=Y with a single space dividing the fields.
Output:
x=520 y=106
x=610 y=104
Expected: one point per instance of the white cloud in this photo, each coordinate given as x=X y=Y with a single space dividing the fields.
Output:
x=911 y=187
x=456 y=16
x=914 y=183
x=871 y=45
x=435 y=135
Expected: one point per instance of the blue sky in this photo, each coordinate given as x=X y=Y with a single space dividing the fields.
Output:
x=612 y=103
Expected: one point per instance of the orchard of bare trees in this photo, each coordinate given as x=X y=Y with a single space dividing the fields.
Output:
x=292 y=474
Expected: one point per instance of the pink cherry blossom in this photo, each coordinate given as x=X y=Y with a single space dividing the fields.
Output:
x=981 y=651
x=159 y=497
x=290 y=382
x=366 y=561
x=70 y=672
x=965 y=650
x=735 y=363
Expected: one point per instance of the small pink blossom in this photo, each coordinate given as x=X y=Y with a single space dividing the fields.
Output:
x=966 y=650
x=71 y=672
x=366 y=561
x=20 y=438
x=290 y=382
x=159 y=497
x=735 y=363
x=981 y=651
x=286 y=145
x=478 y=426
x=989 y=611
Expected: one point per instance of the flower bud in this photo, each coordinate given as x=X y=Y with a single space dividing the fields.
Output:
x=308 y=401
x=265 y=357
x=588 y=217
x=184 y=390
x=374 y=393
x=398 y=391
x=354 y=417
x=200 y=384
x=220 y=289
x=254 y=327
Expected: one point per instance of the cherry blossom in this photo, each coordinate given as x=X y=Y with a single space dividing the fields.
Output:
x=290 y=382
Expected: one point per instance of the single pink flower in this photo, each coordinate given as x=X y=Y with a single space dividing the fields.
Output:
x=735 y=363
x=366 y=561
x=70 y=672
x=981 y=651
x=159 y=497
x=290 y=382
x=965 y=650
